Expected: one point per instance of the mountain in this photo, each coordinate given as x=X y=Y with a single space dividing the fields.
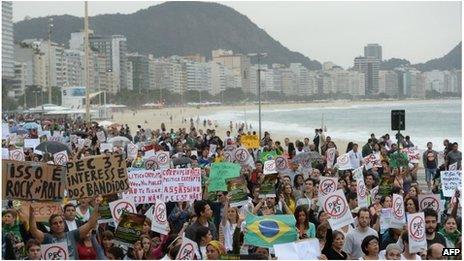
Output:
x=173 y=28
x=451 y=60
x=392 y=63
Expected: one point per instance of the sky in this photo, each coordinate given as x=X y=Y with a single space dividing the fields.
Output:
x=326 y=31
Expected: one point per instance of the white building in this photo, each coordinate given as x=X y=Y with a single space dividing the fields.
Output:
x=198 y=76
x=56 y=71
x=7 y=40
x=388 y=83
x=301 y=78
x=74 y=61
x=20 y=79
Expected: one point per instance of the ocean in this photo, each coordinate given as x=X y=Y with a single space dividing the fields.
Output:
x=425 y=121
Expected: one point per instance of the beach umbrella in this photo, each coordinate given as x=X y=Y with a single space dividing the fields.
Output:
x=30 y=125
x=117 y=139
x=52 y=147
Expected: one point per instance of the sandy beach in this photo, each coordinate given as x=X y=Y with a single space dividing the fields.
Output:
x=152 y=118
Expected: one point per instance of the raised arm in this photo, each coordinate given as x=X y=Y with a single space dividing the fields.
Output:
x=85 y=229
x=226 y=209
x=36 y=233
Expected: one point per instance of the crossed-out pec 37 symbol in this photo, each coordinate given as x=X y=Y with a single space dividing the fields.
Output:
x=162 y=158
x=17 y=155
x=186 y=252
x=398 y=207
x=430 y=202
x=151 y=163
x=327 y=186
x=160 y=213
x=335 y=206
x=241 y=155
x=55 y=253
x=281 y=163
x=417 y=228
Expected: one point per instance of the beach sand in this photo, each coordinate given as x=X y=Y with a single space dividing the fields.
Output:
x=154 y=117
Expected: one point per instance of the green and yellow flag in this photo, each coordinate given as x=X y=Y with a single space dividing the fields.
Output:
x=268 y=155
x=266 y=231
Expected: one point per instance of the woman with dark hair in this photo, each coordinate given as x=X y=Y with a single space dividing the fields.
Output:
x=333 y=248
x=305 y=228
x=370 y=248
x=88 y=248
x=107 y=241
x=411 y=205
x=288 y=199
x=349 y=146
x=450 y=231
x=386 y=201
x=203 y=237
x=298 y=182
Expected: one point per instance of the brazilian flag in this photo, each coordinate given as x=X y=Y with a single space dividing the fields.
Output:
x=266 y=231
x=268 y=155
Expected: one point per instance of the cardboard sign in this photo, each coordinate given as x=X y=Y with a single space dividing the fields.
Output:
x=159 y=222
x=162 y=159
x=268 y=186
x=330 y=157
x=336 y=206
x=327 y=185
x=219 y=173
x=361 y=190
x=121 y=206
x=129 y=229
x=42 y=210
x=398 y=214
x=413 y=155
x=416 y=232
x=61 y=158
x=132 y=151
x=31 y=143
x=17 y=154
x=188 y=250
x=237 y=188
x=97 y=175
x=106 y=146
x=430 y=201
x=182 y=184
x=55 y=251
x=28 y=180
x=249 y=141
x=343 y=162
x=269 y=167
x=5 y=153
x=450 y=180
x=101 y=136
x=145 y=186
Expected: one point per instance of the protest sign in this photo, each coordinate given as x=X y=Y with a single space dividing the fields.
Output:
x=219 y=173
x=162 y=159
x=308 y=249
x=149 y=153
x=237 y=188
x=242 y=155
x=5 y=131
x=361 y=190
x=336 y=206
x=73 y=138
x=159 y=222
x=330 y=155
x=398 y=214
x=281 y=163
x=105 y=210
x=416 y=232
x=182 y=184
x=106 y=146
x=118 y=207
x=5 y=153
x=374 y=191
x=28 y=180
x=372 y=160
x=413 y=155
x=145 y=186
x=47 y=133
x=385 y=219
x=229 y=155
x=132 y=151
x=55 y=251
x=60 y=158
x=430 y=201
x=268 y=186
x=212 y=150
x=343 y=162
x=96 y=175
x=101 y=136
x=17 y=154
x=42 y=210
x=80 y=143
x=31 y=143
x=450 y=180
x=87 y=142
x=453 y=166
x=188 y=250
x=269 y=167
x=129 y=228
x=249 y=141
x=327 y=185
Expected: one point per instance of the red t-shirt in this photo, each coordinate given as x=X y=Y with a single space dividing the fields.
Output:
x=86 y=253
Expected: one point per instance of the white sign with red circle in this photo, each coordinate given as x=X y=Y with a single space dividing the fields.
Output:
x=398 y=214
x=56 y=251
x=281 y=163
x=327 y=185
x=430 y=201
x=159 y=219
x=336 y=206
x=17 y=154
x=241 y=155
x=162 y=158
x=362 y=192
x=269 y=167
x=117 y=207
x=343 y=162
x=416 y=232
x=60 y=158
x=188 y=250
x=132 y=151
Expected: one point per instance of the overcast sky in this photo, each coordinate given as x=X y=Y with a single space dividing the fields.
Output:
x=325 y=31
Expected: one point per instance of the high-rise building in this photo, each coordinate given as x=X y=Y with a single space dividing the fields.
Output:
x=25 y=54
x=56 y=59
x=239 y=64
x=74 y=61
x=140 y=71
x=20 y=79
x=369 y=66
x=7 y=40
x=301 y=77
x=373 y=51
x=388 y=83
x=76 y=42
x=198 y=76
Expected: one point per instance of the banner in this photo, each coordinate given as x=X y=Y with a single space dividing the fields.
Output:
x=188 y=250
x=336 y=206
x=219 y=173
x=17 y=154
x=327 y=185
x=361 y=190
x=105 y=210
x=413 y=155
x=132 y=151
x=97 y=175
x=343 y=162
x=28 y=180
x=398 y=214
x=249 y=141
x=119 y=207
x=416 y=232
x=450 y=180
x=145 y=186
x=269 y=167
x=373 y=160
x=157 y=214
x=60 y=158
x=42 y=210
x=101 y=136
x=129 y=229
x=237 y=188
x=267 y=231
x=31 y=143
x=55 y=251
x=267 y=188
x=182 y=184
x=330 y=155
